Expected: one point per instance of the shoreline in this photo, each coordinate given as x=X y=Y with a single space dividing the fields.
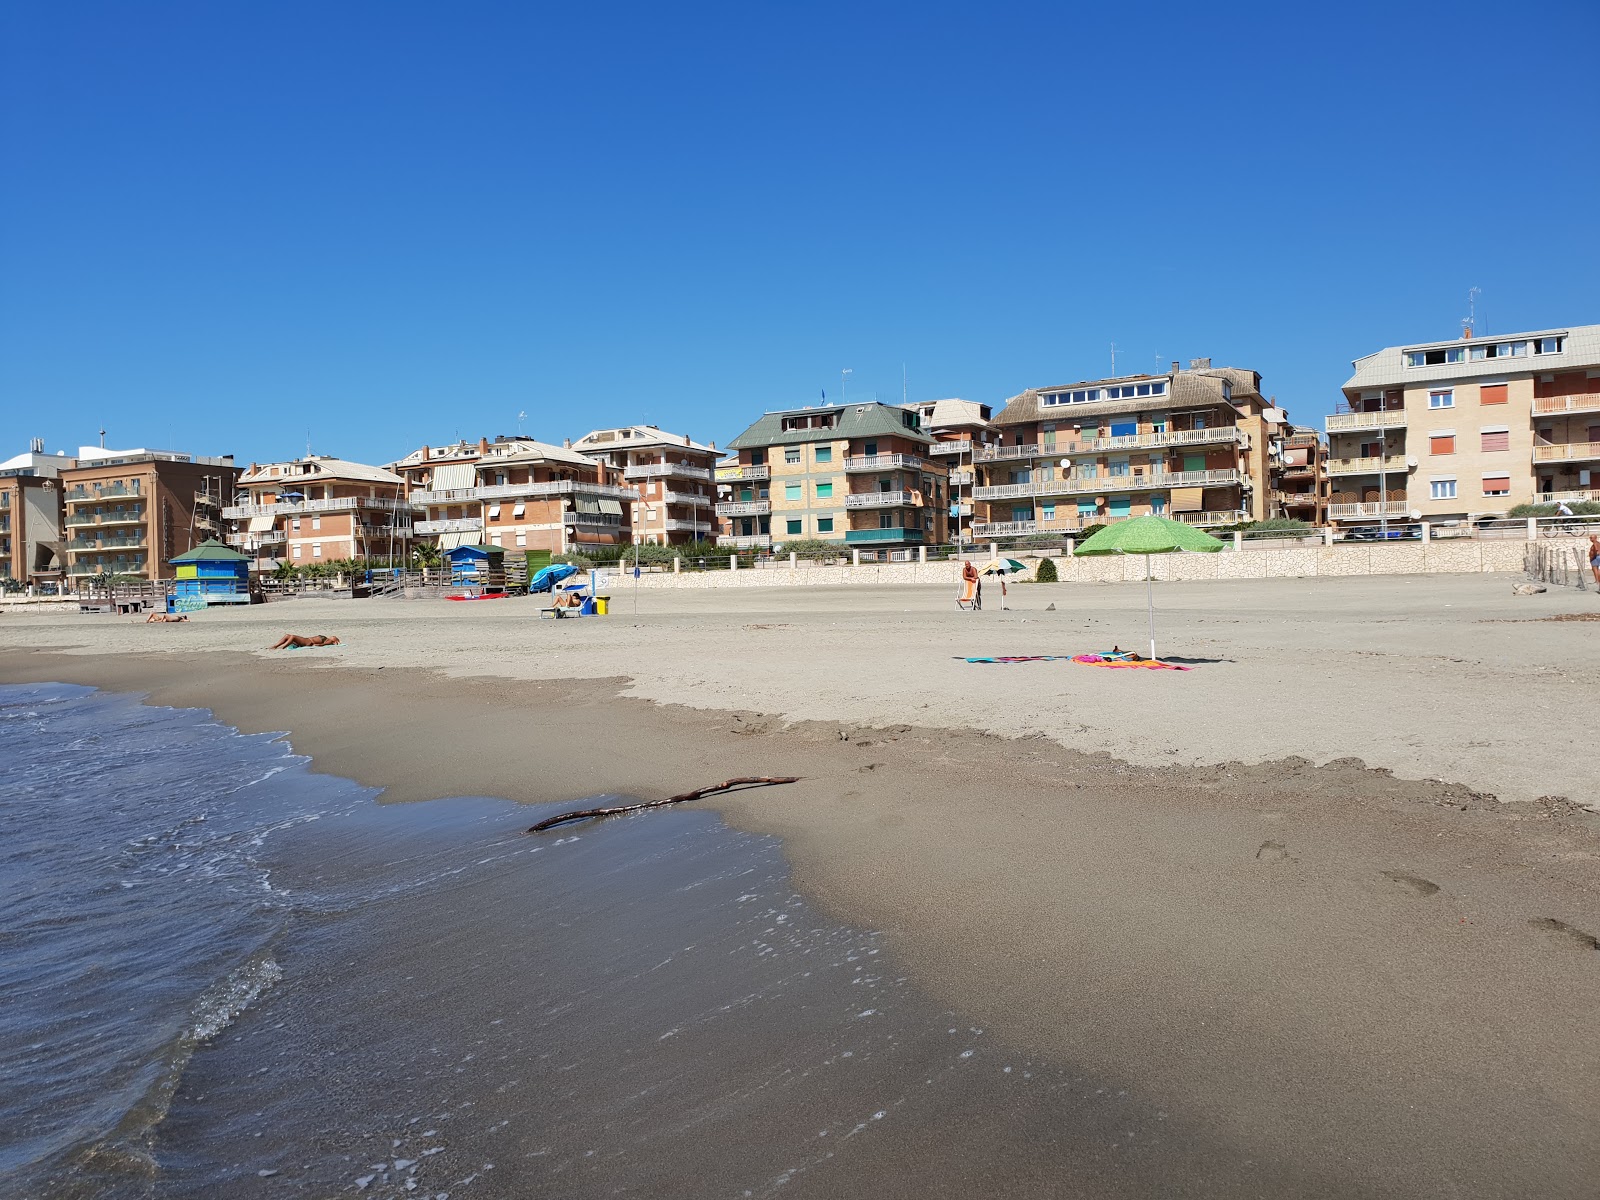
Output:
x=1349 y=974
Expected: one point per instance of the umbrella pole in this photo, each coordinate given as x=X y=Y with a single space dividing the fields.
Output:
x=1150 y=603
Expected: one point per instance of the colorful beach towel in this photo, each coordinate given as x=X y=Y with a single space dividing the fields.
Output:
x=1018 y=658
x=1127 y=660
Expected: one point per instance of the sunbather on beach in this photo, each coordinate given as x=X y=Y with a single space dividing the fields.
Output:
x=161 y=618
x=294 y=641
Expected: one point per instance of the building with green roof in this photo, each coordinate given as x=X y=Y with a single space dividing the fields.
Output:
x=856 y=474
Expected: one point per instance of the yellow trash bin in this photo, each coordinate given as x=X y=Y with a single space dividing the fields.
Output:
x=602 y=605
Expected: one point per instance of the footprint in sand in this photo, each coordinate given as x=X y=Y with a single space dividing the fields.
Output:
x=1587 y=940
x=1418 y=885
x=1272 y=852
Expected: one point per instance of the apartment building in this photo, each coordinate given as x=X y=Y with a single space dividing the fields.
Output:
x=130 y=512
x=672 y=474
x=320 y=509
x=518 y=494
x=1191 y=444
x=857 y=474
x=31 y=549
x=960 y=429
x=1447 y=431
x=1299 y=474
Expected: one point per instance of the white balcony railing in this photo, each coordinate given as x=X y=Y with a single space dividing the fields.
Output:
x=1226 y=516
x=744 y=508
x=264 y=537
x=449 y=525
x=1555 y=406
x=694 y=499
x=727 y=474
x=1368 y=510
x=1569 y=496
x=881 y=499
x=995 y=453
x=327 y=504
x=983 y=529
x=755 y=542
x=1566 y=451
x=1393 y=464
x=666 y=470
x=1077 y=485
x=1066 y=444
x=961 y=447
x=887 y=462
x=1392 y=418
x=674 y=526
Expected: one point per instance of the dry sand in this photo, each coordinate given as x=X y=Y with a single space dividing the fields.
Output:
x=1338 y=980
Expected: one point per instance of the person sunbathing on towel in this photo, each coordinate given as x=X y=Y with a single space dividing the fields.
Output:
x=294 y=641
x=161 y=618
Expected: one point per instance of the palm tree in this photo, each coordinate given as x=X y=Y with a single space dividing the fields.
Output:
x=425 y=556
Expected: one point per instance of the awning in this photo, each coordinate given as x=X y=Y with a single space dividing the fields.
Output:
x=614 y=507
x=1187 y=499
x=261 y=524
x=449 y=541
x=456 y=475
x=588 y=505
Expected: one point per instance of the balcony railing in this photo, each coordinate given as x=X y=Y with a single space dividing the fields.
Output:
x=449 y=525
x=755 y=542
x=1074 y=485
x=1368 y=510
x=1568 y=496
x=423 y=498
x=82 y=519
x=1392 y=464
x=962 y=447
x=727 y=474
x=995 y=453
x=855 y=537
x=665 y=470
x=674 y=525
x=264 y=537
x=1225 y=516
x=80 y=495
x=1391 y=418
x=887 y=462
x=983 y=529
x=961 y=476
x=326 y=504
x=555 y=487
x=1298 y=499
x=1554 y=406
x=744 y=508
x=693 y=499
x=606 y=520
x=881 y=499
x=131 y=516
x=1065 y=444
x=1566 y=451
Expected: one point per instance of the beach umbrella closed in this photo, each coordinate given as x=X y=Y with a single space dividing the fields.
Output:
x=1147 y=536
x=1003 y=566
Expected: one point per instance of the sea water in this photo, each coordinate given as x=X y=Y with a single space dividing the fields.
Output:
x=222 y=973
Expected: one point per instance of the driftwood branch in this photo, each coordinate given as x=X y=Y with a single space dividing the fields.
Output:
x=744 y=781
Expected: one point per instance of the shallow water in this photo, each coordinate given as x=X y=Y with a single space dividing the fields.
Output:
x=226 y=974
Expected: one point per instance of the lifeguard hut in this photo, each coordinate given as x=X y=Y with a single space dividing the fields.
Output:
x=209 y=574
x=477 y=566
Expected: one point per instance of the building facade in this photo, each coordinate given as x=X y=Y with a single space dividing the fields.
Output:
x=672 y=475
x=857 y=474
x=1191 y=445
x=960 y=429
x=31 y=510
x=1299 y=475
x=1449 y=431
x=518 y=494
x=320 y=509
x=130 y=512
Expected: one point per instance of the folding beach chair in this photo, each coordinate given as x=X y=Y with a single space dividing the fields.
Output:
x=971 y=597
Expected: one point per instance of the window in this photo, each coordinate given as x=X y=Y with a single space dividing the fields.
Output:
x=1497 y=485
x=1022 y=512
x=494 y=512
x=518 y=509
x=824 y=454
x=791 y=455
x=316 y=522
x=297 y=552
x=1442 y=442
x=522 y=539
x=1158 y=504
x=1499 y=350
x=758 y=458
x=1495 y=440
x=1492 y=393
x=824 y=491
x=791 y=492
x=1444 y=398
x=1121 y=506
x=870 y=449
x=1124 y=428
x=1549 y=345
x=1436 y=358
x=294 y=522
x=1442 y=489
x=886 y=520
x=824 y=524
x=794 y=527
x=316 y=549
x=1047 y=512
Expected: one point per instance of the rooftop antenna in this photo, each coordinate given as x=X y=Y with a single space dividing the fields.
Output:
x=844 y=375
x=1113 y=360
x=904 y=396
x=102 y=438
x=1472 y=310
x=521 y=417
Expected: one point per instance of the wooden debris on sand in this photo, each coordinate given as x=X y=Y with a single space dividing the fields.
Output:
x=730 y=785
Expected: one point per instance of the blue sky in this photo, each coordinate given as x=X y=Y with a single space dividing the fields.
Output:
x=224 y=227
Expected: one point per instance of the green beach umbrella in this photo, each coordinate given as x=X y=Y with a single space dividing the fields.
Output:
x=1147 y=536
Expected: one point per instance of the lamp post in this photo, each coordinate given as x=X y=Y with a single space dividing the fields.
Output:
x=1383 y=477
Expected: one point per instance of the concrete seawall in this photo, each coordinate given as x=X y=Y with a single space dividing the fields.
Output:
x=1457 y=557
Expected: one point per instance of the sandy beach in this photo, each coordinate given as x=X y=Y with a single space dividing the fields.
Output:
x=1328 y=899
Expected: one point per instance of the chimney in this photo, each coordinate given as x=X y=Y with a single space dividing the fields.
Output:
x=566 y=443
x=1466 y=330
x=1174 y=366
x=483 y=445
x=424 y=451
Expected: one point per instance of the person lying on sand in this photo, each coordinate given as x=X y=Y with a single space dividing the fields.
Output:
x=161 y=618
x=294 y=641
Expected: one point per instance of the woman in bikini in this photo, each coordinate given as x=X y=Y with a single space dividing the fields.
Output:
x=294 y=641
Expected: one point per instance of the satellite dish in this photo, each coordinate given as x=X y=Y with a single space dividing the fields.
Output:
x=1416 y=514
x=1066 y=464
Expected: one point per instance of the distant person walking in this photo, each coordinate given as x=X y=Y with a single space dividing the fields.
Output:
x=1594 y=557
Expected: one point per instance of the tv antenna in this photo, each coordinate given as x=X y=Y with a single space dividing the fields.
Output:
x=843 y=376
x=1113 y=360
x=1472 y=310
x=521 y=417
x=102 y=437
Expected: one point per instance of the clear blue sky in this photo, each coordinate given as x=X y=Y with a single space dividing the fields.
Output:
x=223 y=225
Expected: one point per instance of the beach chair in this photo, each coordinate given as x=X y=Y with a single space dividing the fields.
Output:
x=971 y=597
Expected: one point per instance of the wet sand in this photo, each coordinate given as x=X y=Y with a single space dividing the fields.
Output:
x=1335 y=980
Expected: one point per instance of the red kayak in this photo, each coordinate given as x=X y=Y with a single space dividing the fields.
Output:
x=485 y=596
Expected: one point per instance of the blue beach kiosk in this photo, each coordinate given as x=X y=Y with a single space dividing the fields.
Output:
x=476 y=566
x=209 y=574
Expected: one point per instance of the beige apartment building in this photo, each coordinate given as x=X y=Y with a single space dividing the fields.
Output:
x=1192 y=445
x=672 y=475
x=1449 y=431
x=960 y=430
x=130 y=512
x=1300 y=475
x=858 y=474
x=518 y=494
x=31 y=549
x=320 y=509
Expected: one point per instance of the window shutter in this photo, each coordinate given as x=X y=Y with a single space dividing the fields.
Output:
x=1496 y=441
x=1442 y=445
x=1492 y=393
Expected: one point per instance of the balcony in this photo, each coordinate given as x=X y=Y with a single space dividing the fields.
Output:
x=1393 y=464
x=997 y=453
x=697 y=527
x=744 y=508
x=1346 y=422
x=1370 y=510
x=449 y=525
x=1221 y=435
x=881 y=500
x=82 y=495
x=692 y=499
x=733 y=474
x=82 y=519
x=555 y=487
x=1224 y=516
x=1565 y=451
x=132 y=516
x=239 y=512
x=596 y=520
x=1570 y=496
x=423 y=498
x=251 y=541
x=757 y=542
x=665 y=470
x=960 y=448
x=1073 y=485
x=1555 y=406
x=961 y=477
x=996 y=529
x=1298 y=499
x=868 y=537
x=887 y=462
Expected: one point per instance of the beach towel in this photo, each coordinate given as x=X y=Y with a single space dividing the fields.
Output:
x=1126 y=660
x=1018 y=658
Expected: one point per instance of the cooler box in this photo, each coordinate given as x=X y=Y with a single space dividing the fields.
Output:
x=588 y=607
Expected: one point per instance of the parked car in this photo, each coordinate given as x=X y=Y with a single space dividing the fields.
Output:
x=1377 y=533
